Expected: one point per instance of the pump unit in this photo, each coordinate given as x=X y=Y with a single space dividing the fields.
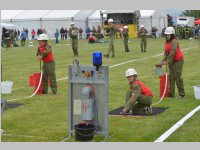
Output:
x=88 y=95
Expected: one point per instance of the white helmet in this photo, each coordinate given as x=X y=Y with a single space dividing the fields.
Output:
x=141 y=26
x=43 y=37
x=72 y=23
x=125 y=27
x=110 y=20
x=169 y=30
x=130 y=72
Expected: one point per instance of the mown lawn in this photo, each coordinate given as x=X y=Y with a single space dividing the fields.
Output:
x=45 y=117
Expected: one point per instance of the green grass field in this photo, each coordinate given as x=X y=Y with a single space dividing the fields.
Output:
x=45 y=117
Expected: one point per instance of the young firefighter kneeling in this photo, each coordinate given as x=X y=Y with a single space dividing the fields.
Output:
x=139 y=97
x=45 y=53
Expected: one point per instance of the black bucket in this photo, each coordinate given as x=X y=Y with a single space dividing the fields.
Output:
x=84 y=132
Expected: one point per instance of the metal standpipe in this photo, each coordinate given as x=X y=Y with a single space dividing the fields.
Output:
x=88 y=97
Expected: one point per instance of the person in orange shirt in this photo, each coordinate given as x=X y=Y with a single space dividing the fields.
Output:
x=45 y=54
x=173 y=56
x=138 y=97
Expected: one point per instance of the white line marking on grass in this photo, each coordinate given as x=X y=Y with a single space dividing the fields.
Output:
x=64 y=78
x=17 y=88
x=165 y=135
x=129 y=61
x=25 y=136
x=65 y=139
x=144 y=58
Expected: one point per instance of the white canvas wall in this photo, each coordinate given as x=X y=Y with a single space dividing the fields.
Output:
x=52 y=25
x=156 y=18
x=94 y=22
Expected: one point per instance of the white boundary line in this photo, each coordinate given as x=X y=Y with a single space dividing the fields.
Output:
x=165 y=135
x=25 y=136
x=64 y=78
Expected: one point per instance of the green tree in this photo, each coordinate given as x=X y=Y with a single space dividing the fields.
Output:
x=193 y=13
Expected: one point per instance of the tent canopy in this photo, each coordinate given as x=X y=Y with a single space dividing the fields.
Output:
x=96 y=14
x=60 y=14
x=83 y=14
x=146 y=13
x=31 y=15
x=9 y=14
x=118 y=11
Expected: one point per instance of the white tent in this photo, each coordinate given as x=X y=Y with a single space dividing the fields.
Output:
x=48 y=19
x=153 y=18
x=30 y=19
x=52 y=19
x=81 y=19
x=7 y=15
x=57 y=19
x=95 y=18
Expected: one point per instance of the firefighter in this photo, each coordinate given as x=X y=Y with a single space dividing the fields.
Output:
x=174 y=58
x=138 y=97
x=112 y=33
x=45 y=54
x=178 y=32
x=186 y=32
x=125 y=35
x=142 y=34
x=73 y=33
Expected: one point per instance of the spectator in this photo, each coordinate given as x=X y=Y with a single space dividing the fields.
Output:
x=16 y=35
x=87 y=31
x=56 y=36
x=92 y=38
x=39 y=31
x=153 y=32
x=26 y=30
x=33 y=34
x=65 y=33
x=62 y=33
x=23 y=38
x=80 y=33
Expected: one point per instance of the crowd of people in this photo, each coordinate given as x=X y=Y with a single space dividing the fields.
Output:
x=10 y=37
x=185 y=31
x=93 y=34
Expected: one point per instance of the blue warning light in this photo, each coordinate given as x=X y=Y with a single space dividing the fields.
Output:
x=97 y=60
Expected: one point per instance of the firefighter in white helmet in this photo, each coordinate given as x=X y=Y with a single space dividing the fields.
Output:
x=45 y=54
x=73 y=33
x=125 y=36
x=138 y=97
x=112 y=32
x=173 y=56
x=142 y=34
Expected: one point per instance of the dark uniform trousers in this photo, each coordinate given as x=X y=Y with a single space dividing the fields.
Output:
x=75 y=46
x=143 y=43
x=141 y=102
x=111 y=47
x=49 y=73
x=126 y=45
x=175 y=76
